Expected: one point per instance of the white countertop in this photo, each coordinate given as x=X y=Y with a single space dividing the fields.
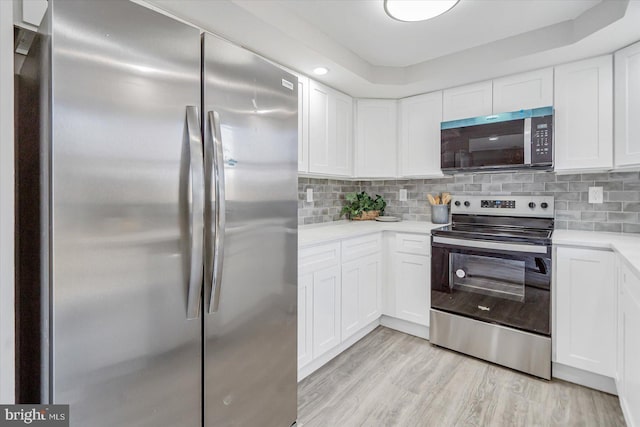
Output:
x=627 y=245
x=330 y=231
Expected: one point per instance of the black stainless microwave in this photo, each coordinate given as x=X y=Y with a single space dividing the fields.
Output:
x=516 y=140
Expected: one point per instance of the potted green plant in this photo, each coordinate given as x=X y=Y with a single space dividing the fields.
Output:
x=362 y=207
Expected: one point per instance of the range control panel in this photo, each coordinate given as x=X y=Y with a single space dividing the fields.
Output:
x=525 y=206
x=498 y=204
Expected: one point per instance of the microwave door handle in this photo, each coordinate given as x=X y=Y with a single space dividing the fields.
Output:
x=527 y=141
x=195 y=202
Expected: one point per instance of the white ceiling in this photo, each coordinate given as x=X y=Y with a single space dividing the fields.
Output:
x=373 y=56
x=363 y=27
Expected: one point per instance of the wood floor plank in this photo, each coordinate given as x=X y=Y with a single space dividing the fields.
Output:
x=392 y=379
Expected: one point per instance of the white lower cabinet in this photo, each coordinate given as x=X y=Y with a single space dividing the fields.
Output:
x=361 y=293
x=412 y=283
x=629 y=344
x=326 y=310
x=586 y=310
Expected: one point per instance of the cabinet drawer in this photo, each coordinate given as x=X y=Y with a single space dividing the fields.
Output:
x=360 y=246
x=418 y=244
x=318 y=257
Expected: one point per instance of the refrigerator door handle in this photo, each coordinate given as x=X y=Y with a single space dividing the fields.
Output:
x=213 y=121
x=196 y=210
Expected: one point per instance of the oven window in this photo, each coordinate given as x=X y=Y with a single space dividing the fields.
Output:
x=496 y=277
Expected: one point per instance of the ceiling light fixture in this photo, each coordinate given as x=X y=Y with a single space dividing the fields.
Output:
x=320 y=71
x=417 y=10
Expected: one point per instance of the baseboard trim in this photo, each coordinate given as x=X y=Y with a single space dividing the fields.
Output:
x=319 y=362
x=584 y=378
x=405 y=326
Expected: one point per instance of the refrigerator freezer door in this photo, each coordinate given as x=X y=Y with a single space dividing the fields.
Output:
x=250 y=351
x=123 y=351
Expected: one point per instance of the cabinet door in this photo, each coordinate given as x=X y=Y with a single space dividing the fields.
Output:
x=351 y=283
x=305 y=312
x=326 y=310
x=330 y=131
x=370 y=303
x=584 y=115
x=467 y=101
x=420 y=118
x=376 y=138
x=303 y=124
x=523 y=91
x=627 y=108
x=586 y=310
x=413 y=289
x=629 y=344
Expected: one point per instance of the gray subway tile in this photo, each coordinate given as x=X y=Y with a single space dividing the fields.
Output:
x=631 y=207
x=607 y=206
x=593 y=216
x=562 y=206
x=568 y=196
x=624 y=196
x=512 y=186
x=567 y=215
x=595 y=176
x=556 y=186
x=624 y=175
x=560 y=225
x=501 y=177
x=631 y=185
x=578 y=186
x=464 y=179
x=631 y=228
x=579 y=225
x=491 y=187
x=629 y=217
x=522 y=177
x=544 y=177
x=567 y=178
x=482 y=178
x=473 y=187
x=533 y=186
x=613 y=227
x=609 y=185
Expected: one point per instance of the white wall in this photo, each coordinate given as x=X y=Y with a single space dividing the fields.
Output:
x=7 y=331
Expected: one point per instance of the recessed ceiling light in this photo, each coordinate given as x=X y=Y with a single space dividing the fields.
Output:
x=417 y=10
x=320 y=71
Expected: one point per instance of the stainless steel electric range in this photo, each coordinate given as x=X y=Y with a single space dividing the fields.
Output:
x=491 y=281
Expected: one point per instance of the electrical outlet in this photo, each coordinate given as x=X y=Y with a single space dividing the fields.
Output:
x=309 y=194
x=596 y=195
x=403 y=195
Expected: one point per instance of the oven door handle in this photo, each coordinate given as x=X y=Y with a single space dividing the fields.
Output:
x=484 y=244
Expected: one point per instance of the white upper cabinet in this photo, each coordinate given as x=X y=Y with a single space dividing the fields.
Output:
x=330 y=131
x=419 y=130
x=376 y=138
x=523 y=91
x=467 y=101
x=584 y=115
x=586 y=310
x=303 y=124
x=627 y=106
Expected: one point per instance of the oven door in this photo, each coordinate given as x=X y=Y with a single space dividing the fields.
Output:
x=497 y=282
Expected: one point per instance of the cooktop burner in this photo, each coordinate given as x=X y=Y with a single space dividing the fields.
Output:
x=508 y=218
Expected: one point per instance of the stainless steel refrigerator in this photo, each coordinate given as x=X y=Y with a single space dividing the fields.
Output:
x=167 y=206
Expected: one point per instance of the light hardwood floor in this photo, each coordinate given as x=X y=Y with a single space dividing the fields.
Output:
x=393 y=379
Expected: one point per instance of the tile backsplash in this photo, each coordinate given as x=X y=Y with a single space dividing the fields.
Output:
x=620 y=211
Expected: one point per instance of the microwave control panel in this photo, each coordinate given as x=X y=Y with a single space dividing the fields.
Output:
x=542 y=140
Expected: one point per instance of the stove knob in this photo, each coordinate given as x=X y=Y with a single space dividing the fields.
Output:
x=457 y=203
x=544 y=205
x=532 y=205
x=467 y=204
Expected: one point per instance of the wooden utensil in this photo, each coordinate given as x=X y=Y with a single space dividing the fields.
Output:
x=431 y=199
